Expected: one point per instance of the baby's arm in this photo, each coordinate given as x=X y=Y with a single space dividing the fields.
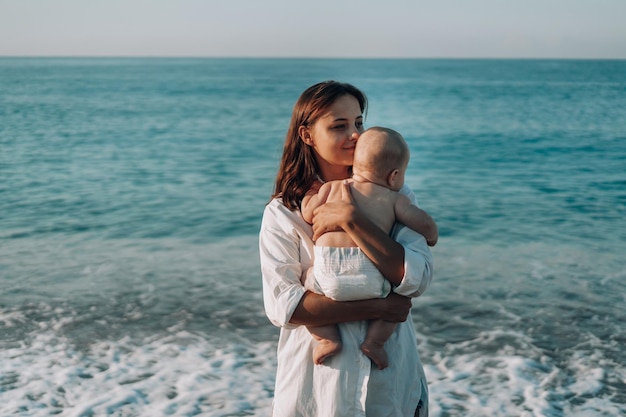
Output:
x=417 y=219
x=314 y=198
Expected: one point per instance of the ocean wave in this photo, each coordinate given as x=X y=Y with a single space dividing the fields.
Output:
x=179 y=375
x=502 y=373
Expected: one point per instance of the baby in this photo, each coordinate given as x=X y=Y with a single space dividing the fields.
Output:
x=341 y=271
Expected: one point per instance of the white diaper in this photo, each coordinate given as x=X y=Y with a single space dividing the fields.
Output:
x=346 y=274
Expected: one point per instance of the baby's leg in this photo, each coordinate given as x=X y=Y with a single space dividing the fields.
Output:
x=328 y=342
x=374 y=345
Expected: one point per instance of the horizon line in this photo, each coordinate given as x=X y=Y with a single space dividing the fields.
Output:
x=492 y=58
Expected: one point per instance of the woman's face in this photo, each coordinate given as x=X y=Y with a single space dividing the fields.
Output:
x=333 y=137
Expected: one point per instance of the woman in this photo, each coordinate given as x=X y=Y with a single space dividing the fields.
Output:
x=326 y=122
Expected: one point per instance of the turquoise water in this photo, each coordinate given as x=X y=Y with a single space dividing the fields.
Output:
x=131 y=192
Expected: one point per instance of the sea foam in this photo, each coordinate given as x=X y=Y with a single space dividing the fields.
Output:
x=180 y=375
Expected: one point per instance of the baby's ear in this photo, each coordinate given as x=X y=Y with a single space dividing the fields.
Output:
x=392 y=178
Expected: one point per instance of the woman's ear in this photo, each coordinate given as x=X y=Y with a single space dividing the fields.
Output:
x=392 y=178
x=305 y=135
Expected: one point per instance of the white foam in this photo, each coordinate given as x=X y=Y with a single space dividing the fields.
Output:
x=10 y=318
x=188 y=374
x=179 y=375
x=467 y=380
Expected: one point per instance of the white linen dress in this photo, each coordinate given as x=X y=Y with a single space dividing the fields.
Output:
x=346 y=385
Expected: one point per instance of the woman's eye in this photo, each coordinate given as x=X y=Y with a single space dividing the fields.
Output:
x=338 y=127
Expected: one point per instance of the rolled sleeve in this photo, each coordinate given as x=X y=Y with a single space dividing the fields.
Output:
x=418 y=259
x=418 y=263
x=281 y=269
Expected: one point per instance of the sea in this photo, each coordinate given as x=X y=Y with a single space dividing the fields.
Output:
x=131 y=195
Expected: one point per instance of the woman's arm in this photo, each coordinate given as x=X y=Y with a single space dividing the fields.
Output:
x=318 y=310
x=287 y=303
x=380 y=248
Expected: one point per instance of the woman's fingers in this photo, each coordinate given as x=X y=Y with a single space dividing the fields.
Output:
x=333 y=216
x=325 y=220
x=397 y=308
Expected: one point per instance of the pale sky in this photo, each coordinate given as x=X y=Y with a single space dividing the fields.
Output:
x=322 y=28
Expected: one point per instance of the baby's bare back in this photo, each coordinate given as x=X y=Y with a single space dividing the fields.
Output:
x=375 y=201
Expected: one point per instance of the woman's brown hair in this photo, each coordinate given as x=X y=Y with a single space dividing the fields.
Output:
x=298 y=168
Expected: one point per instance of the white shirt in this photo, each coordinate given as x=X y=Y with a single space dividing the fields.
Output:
x=346 y=385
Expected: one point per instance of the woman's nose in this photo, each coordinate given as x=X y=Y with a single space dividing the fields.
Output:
x=354 y=135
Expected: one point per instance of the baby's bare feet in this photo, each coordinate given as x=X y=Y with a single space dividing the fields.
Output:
x=325 y=349
x=376 y=352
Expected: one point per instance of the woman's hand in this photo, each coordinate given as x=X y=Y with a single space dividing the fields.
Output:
x=395 y=308
x=335 y=216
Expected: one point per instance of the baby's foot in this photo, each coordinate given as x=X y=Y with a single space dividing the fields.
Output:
x=376 y=352
x=325 y=349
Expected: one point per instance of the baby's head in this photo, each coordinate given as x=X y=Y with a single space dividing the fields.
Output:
x=381 y=156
